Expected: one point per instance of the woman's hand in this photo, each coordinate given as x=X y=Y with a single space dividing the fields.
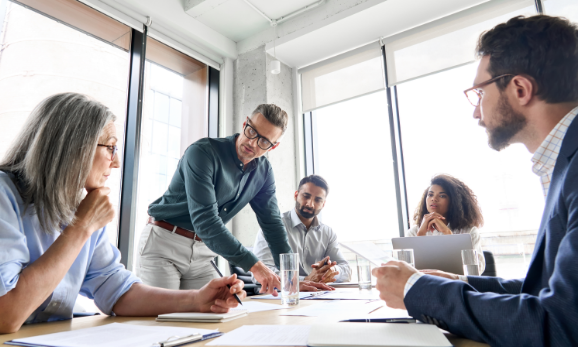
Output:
x=95 y=211
x=425 y=223
x=439 y=225
x=216 y=297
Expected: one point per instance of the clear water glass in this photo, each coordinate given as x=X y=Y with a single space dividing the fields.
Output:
x=289 y=264
x=470 y=262
x=363 y=273
x=404 y=255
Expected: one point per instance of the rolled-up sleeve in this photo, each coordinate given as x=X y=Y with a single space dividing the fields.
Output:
x=106 y=279
x=335 y=254
x=14 y=254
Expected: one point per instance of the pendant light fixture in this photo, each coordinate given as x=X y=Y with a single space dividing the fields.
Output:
x=275 y=66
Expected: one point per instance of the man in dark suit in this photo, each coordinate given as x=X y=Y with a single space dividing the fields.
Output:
x=525 y=91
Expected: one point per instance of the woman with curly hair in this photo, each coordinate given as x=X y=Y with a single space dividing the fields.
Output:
x=448 y=206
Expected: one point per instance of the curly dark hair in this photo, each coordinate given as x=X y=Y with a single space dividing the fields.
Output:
x=464 y=211
x=542 y=47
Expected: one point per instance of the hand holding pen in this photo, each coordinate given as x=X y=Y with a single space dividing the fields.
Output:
x=219 y=295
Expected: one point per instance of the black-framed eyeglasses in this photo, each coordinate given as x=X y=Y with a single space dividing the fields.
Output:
x=475 y=93
x=251 y=133
x=111 y=148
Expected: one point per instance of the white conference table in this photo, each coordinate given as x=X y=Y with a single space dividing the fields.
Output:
x=257 y=318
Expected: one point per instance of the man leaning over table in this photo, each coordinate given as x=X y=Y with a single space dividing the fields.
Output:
x=319 y=254
x=214 y=180
x=525 y=91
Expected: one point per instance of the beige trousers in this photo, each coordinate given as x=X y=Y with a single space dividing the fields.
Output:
x=172 y=261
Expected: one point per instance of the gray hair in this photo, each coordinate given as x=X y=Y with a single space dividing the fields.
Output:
x=52 y=156
x=274 y=114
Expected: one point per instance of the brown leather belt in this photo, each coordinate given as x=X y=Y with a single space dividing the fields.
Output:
x=180 y=231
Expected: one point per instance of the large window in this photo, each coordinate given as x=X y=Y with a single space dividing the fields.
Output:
x=564 y=8
x=440 y=136
x=428 y=68
x=40 y=56
x=174 y=116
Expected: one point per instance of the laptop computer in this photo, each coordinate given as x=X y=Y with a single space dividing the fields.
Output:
x=441 y=252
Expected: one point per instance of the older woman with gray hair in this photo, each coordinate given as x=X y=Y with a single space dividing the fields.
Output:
x=53 y=243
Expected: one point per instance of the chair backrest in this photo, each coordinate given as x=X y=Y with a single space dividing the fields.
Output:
x=490 y=265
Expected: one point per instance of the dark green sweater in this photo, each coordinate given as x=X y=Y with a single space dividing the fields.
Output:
x=210 y=187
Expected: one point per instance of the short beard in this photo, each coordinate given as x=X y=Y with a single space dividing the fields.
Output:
x=510 y=124
x=304 y=214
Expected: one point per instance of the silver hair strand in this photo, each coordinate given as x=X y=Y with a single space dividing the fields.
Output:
x=52 y=156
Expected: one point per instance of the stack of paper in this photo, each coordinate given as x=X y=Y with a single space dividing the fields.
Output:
x=202 y=317
x=346 y=294
x=265 y=335
x=112 y=335
x=376 y=334
x=337 y=309
x=302 y=295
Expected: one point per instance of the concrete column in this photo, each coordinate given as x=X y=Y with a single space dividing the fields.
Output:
x=254 y=85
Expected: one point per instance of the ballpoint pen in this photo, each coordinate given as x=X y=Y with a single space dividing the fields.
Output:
x=177 y=340
x=381 y=320
x=228 y=286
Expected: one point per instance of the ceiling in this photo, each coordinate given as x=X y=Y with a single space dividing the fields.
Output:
x=236 y=20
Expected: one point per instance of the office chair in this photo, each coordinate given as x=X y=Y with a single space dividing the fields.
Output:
x=245 y=276
x=490 y=265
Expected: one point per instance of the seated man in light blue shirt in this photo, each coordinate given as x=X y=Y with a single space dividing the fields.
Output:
x=321 y=260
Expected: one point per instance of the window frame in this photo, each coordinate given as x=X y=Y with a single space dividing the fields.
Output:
x=311 y=156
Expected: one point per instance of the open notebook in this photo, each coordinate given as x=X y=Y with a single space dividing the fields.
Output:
x=202 y=317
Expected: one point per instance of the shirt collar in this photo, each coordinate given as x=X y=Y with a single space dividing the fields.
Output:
x=250 y=166
x=295 y=221
x=545 y=157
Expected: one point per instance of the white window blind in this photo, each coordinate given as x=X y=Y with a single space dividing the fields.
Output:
x=448 y=42
x=343 y=77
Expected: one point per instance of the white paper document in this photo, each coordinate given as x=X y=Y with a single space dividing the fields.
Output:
x=301 y=295
x=265 y=335
x=344 y=309
x=111 y=335
x=369 y=251
x=376 y=334
x=347 y=294
x=256 y=306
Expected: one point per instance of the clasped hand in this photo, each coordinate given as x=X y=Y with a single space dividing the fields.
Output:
x=433 y=221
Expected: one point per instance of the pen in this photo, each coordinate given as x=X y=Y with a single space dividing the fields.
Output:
x=228 y=286
x=381 y=320
x=180 y=340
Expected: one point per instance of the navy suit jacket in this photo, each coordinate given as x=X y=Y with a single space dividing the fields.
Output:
x=540 y=310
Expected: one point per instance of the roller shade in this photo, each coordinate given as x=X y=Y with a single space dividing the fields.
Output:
x=448 y=42
x=343 y=77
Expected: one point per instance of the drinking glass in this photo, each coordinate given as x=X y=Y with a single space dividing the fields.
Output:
x=470 y=262
x=363 y=273
x=404 y=255
x=289 y=263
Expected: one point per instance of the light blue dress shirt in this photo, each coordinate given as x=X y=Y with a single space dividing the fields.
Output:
x=96 y=273
x=312 y=245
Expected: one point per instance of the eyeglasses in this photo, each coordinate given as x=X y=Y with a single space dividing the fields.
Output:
x=111 y=148
x=251 y=133
x=474 y=94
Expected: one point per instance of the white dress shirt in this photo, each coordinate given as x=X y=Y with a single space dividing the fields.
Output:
x=312 y=246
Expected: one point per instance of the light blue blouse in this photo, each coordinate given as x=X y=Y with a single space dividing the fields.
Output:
x=96 y=273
